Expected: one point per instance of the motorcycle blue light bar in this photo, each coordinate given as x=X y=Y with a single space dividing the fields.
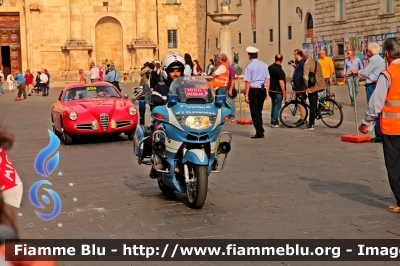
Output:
x=220 y=100
x=142 y=106
x=172 y=98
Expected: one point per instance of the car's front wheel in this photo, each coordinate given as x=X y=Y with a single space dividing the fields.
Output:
x=131 y=135
x=66 y=138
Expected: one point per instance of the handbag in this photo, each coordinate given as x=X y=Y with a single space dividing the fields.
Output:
x=234 y=93
x=311 y=77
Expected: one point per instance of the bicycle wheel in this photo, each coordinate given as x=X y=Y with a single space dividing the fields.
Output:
x=331 y=113
x=290 y=115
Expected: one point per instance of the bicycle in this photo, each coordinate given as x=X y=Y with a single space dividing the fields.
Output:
x=328 y=110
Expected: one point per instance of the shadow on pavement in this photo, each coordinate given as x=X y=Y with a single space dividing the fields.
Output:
x=355 y=192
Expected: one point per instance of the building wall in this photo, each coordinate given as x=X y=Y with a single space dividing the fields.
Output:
x=46 y=27
x=362 y=18
x=189 y=18
x=266 y=19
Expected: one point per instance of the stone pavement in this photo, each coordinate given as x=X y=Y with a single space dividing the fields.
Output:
x=294 y=184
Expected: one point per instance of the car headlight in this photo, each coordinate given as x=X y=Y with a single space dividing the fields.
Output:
x=197 y=122
x=132 y=110
x=113 y=124
x=95 y=126
x=73 y=116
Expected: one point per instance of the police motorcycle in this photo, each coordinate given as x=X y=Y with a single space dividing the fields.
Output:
x=186 y=143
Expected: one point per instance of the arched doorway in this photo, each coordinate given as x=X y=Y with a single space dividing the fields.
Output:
x=309 y=26
x=109 y=42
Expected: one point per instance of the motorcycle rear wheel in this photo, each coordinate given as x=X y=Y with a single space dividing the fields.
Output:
x=196 y=191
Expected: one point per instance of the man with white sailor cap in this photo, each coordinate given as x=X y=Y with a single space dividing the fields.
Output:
x=257 y=78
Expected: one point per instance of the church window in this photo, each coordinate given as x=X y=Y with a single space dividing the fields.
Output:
x=172 y=39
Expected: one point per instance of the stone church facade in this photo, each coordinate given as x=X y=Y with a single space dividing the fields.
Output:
x=66 y=35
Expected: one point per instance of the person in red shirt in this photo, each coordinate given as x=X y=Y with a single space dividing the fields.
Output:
x=29 y=81
x=101 y=73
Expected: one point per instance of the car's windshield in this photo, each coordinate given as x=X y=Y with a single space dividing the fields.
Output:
x=90 y=92
x=192 y=89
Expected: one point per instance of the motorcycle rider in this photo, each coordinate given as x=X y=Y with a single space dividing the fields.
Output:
x=173 y=65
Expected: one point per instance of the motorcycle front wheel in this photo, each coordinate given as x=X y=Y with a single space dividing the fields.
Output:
x=196 y=190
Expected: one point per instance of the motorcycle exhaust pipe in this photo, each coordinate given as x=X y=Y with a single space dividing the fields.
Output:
x=159 y=147
x=224 y=147
x=142 y=110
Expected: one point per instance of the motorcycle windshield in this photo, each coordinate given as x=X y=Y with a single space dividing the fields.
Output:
x=192 y=90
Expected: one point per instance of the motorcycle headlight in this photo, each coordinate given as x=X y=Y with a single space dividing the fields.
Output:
x=73 y=116
x=132 y=110
x=197 y=122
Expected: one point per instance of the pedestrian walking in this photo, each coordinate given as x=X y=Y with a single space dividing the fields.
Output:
x=83 y=78
x=93 y=73
x=145 y=74
x=328 y=70
x=1 y=85
x=298 y=81
x=37 y=83
x=125 y=77
x=385 y=101
x=113 y=77
x=277 y=88
x=10 y=82
x=221 y=75
x=375 y=66
x=210 y=67
x=21 y=85
x=257 y=80
x=29 y=81
x=351 y=67
x=197 y=71
x=312 y=66
x=43 y=83
x=48 y=81
x=230 y=103
x=188 y=65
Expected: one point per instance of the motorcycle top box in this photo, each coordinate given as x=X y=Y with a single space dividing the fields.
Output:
x=184 y=142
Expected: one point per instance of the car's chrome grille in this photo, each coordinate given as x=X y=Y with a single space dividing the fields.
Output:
x=123 y=123
x=84 y=126
x=104 y=121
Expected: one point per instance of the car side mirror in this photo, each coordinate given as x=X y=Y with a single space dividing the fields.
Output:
x=126 y=96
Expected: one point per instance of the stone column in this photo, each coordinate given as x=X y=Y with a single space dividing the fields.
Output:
x=76 y=47
x=75 y=19
x=142 y=47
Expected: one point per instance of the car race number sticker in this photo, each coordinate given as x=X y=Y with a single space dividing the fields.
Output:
x=195 y=92
x=90 y=88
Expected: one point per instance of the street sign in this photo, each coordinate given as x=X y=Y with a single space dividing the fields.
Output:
x=308 y=40
x=393 y=29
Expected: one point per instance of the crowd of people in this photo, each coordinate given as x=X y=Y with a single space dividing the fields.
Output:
x=21 y=83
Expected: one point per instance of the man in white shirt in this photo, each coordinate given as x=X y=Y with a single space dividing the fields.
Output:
x=43 y=83
x=93 y=72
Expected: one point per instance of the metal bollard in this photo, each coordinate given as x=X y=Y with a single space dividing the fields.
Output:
x=142 y=110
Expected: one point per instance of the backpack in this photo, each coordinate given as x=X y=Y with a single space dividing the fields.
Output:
x=312 y=80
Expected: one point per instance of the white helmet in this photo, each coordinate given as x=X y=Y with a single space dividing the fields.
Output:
x=173 y=60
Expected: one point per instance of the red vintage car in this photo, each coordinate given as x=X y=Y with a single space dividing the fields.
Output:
x=92 y=109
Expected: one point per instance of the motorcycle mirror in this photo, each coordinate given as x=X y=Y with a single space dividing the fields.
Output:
x=126 y=96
